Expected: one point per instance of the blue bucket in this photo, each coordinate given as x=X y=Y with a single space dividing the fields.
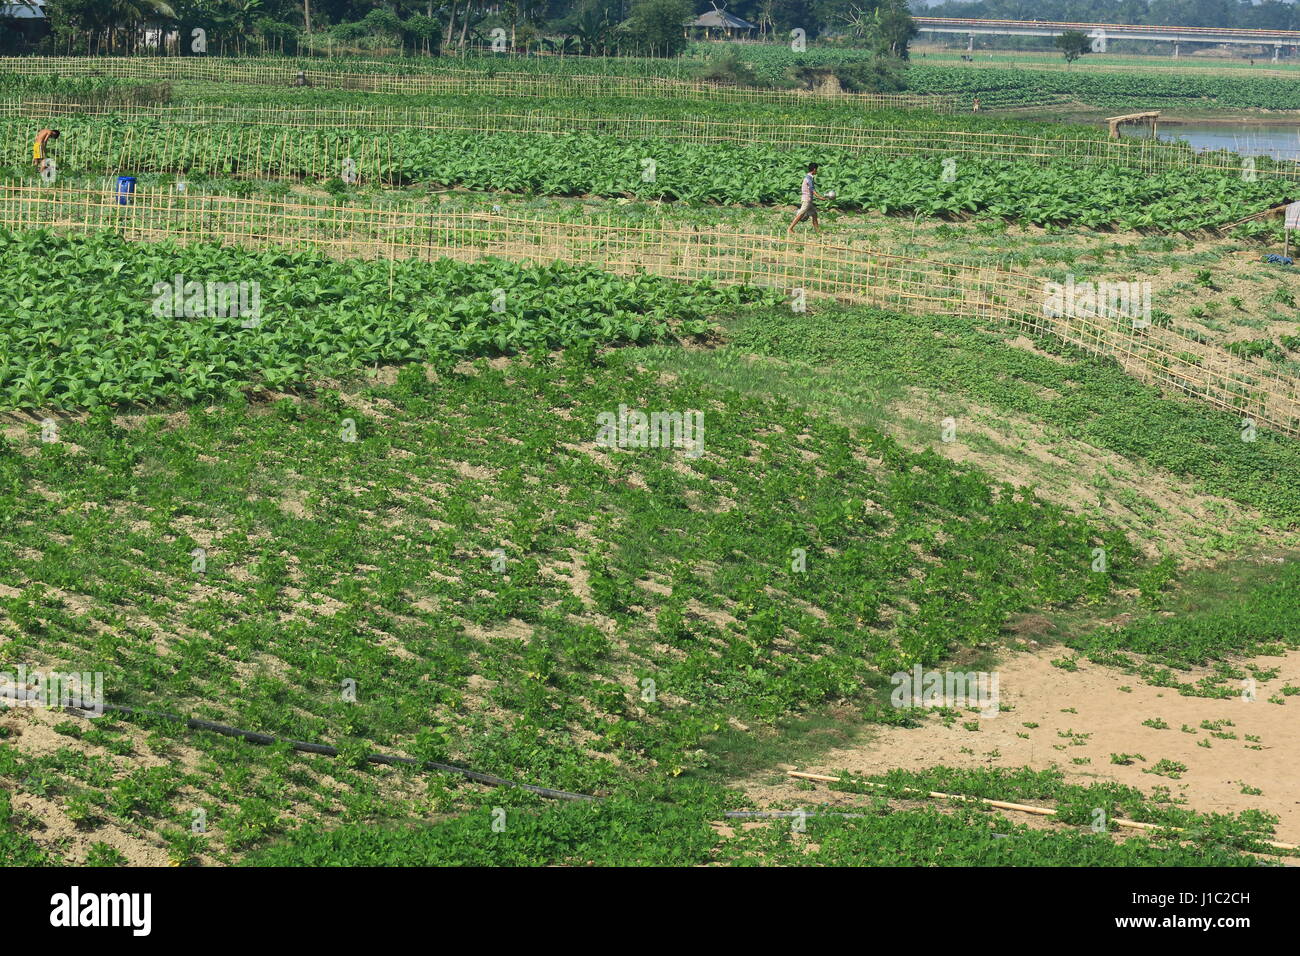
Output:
x=125 y=189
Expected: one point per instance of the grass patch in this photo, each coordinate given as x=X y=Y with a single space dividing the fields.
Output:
x=1083 y=397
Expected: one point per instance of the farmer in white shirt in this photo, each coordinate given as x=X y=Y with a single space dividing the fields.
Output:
x=807 y=210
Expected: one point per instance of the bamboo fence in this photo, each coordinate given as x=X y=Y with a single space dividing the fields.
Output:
x=276 y=72
x=848 y=273
x=190 y=126
x=248 y=152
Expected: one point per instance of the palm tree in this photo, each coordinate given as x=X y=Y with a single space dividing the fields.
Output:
x=134 y=13
x=464 y=23
x=592 y=30
x=765 y=19
x=512 y=9
x=242 y=15
x=451 y=23
x=858 y=21
x=565 y=45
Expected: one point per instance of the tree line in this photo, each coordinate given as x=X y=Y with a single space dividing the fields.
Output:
x=580 y=27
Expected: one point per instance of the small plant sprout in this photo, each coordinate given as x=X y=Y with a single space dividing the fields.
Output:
x=948 y=430
x=1125 y=760
x=1167 y=768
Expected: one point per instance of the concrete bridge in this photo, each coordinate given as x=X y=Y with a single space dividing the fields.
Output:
x=1101 y=33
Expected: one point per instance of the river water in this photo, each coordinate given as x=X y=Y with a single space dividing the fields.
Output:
x=1278 y=142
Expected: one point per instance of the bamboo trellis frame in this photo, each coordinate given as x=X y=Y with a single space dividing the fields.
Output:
x=1145 y=154
x=250 y=152
x=277 y=72
x=850 y=273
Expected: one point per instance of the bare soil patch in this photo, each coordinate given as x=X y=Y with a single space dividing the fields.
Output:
x=1086 y=716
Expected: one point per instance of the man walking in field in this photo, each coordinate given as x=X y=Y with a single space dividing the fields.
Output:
x=807 y=210
x=40 y=148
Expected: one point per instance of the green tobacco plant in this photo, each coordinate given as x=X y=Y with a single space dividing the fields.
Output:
x=81 y=327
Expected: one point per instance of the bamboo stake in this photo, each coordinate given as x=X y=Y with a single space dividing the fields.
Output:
x=1018 y=807
x=851 y=273
x=1084 y=152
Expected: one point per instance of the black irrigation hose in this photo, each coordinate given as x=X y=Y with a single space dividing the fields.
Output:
x=195 y=723
x=324 y=749
x=777 y=814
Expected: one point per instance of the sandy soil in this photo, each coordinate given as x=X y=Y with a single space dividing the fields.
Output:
x=1104 y=720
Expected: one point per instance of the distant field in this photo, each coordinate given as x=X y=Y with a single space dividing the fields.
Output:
x=1052 y=59
x=1003 y=81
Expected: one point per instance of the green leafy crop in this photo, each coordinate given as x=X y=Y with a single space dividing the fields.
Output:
x=78 y=326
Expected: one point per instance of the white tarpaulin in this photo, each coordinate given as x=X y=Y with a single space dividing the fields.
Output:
x=1293 y=216
x=23 y=9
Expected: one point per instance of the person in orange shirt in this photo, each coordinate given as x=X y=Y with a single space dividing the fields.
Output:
x=40 y=148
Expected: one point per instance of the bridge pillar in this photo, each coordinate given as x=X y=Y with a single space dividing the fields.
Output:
x=970 y=44
x=1175 y=49
x=1277 y=49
